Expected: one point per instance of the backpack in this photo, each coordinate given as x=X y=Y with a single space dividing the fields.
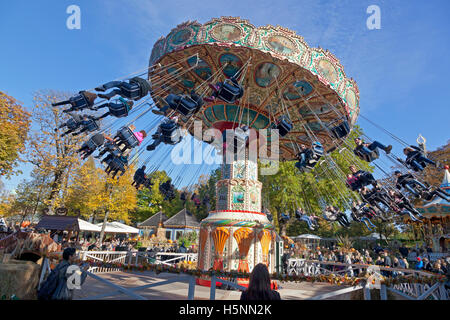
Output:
x=49 y=286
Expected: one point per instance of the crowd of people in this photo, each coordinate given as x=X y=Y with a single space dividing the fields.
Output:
x=377 y=256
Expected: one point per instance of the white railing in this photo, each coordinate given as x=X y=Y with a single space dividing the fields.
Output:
x=134 y=258
x=414 y=291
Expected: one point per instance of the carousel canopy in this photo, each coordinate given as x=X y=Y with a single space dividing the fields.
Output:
x=281 y=73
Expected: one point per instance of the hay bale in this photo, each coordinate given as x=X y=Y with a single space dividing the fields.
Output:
x=20 y=278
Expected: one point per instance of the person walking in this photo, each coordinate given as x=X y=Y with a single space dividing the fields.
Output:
x=55 y=287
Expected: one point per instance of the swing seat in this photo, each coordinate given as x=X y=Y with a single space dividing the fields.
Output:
x=80 y=102
x=72 y=125
x=368 y=157
x=341 y=131
x=92 y=125
x=118 y=164
x=229 y=92
x=128 y=137
x=170 y=133
x=183 y=104
x=317 y=153
x=94 y=142
x=144 y=88
x=284 y=127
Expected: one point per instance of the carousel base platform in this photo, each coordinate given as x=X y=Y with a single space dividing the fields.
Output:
x=241 y=282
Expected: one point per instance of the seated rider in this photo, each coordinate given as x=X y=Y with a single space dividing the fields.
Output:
x=329 y=215
x=375 y=196
x=116 y=164
x=165 y=133
x=341 y=217
x=139 y=177
x=83 y=100
x=285 y=217
x=310 y=220
x=120 y=109
x=408 y=182
x=416 y=159
x=362 y=213
x=303 y=157
x=92 y=144
x=364 y=150
x=167 y=189
x=123 y=145
x=88 y=124
x=72 y=124
x=135 y=89
x=173 y=101
x=218 y=91
x=401 y=205
x=359 y=178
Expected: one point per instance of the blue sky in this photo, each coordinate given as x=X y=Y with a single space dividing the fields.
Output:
x=401 y=70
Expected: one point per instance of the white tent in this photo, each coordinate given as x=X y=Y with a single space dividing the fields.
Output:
x=125 y=227
x=307 y=236
x=373 y=236
x=117 y=227
x=88 y=227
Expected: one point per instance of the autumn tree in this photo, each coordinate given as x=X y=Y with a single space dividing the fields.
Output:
x=95 y=195
x=28 y=199
x=51 y=154
x=14 y=126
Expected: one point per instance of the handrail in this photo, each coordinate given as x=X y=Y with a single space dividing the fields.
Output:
x=365 y=266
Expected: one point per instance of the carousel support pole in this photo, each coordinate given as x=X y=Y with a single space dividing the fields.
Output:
x=212 y=293
x=383 y=293
x=191 y=292
x=366 y=292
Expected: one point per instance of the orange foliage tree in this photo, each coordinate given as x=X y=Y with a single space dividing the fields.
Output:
x=14 y=126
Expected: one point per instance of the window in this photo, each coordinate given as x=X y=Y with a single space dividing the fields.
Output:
x=168 y=234
x=178 y=234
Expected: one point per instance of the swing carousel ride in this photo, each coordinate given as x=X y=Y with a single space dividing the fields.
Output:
x=230 y=76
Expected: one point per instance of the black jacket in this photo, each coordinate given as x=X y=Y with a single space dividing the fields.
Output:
x=272 y=295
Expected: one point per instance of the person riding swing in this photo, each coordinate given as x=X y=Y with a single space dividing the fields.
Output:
x=120 y=109
x=183 y=104
x=135 y=89
x=139 y=177
x=84 y=100
x=415 y=159
x=369 y=151
x=229 y=91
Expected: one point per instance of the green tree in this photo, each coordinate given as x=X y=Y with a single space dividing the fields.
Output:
x=312 y=191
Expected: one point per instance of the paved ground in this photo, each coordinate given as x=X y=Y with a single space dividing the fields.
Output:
x=179 y=290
